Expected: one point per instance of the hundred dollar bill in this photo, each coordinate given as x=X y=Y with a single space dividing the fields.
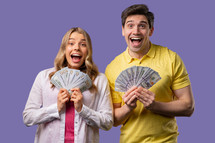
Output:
x=70 y=78
x=136 y=76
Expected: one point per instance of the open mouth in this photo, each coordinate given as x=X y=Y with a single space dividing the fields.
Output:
x=76 y=58
x=136 y=41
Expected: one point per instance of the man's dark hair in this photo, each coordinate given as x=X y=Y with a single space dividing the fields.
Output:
x=138 y=9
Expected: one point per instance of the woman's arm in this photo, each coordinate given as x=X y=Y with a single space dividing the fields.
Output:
x=103 y=116
x=34 y=112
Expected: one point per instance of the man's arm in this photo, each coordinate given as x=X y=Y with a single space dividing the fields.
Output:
x=122 y=113
x=182 y=106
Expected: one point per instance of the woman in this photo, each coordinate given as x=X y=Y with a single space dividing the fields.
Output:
x=61 y=118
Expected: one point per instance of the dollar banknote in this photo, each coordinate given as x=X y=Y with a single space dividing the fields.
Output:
x=71 y=78
x=136 y=76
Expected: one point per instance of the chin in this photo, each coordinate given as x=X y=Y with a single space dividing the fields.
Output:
x=74 y=66
x=135 y=49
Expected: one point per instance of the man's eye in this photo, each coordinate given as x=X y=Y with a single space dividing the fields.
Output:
x=130 y=25
x=142 y=26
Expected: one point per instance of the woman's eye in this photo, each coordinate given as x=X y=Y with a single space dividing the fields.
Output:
x=71 y=43
x=84 y=45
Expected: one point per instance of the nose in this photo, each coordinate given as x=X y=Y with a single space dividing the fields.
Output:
x=136 y=30
x=76 y=47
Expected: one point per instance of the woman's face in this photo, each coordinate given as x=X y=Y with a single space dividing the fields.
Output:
x=76 y=50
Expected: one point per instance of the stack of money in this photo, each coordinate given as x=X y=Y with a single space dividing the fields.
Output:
x=136 y=76
x=70 y=78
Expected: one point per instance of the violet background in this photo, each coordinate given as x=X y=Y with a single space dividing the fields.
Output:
x=31 y=33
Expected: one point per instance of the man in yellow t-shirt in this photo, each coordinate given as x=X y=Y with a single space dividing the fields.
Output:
x=148 y=115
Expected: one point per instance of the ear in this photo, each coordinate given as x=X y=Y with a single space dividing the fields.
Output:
x=151 y=31
x=123 y=34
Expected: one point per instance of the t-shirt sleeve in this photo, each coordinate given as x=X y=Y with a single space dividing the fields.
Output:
x=180 y=75
x=116 y=97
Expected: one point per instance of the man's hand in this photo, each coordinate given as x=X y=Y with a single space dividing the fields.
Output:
x=145 y=96
x=130 y=97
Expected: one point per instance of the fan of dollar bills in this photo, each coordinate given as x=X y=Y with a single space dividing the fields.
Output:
x=70 y=78
x=136 y=76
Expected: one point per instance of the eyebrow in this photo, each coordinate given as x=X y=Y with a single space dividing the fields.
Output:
x=82 y=40
x=140 y=21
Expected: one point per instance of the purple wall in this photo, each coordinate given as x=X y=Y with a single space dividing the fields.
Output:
x=31 y=33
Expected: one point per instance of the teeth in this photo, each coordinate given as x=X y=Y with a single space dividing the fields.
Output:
x=76 y=55
x=135 y=38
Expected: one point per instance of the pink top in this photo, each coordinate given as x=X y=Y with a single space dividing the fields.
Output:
x=69 y=122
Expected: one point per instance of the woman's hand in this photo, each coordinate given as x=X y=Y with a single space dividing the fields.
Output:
x=77 y=97
x=62 y=98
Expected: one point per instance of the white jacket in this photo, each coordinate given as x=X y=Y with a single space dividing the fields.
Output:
x=41 y=109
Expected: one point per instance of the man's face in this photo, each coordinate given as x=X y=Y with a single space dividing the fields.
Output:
x=137 y=32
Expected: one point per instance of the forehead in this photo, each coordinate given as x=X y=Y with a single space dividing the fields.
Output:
x=76 y=36
x=136 y=19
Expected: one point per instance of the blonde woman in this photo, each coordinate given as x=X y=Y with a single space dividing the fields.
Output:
x=61 y=119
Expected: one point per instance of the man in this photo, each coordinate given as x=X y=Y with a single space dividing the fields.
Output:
x=148 y=115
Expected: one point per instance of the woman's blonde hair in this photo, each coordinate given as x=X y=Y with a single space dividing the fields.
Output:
x=88 y=66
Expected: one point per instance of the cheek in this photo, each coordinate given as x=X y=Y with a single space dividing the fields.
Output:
x=68 y=49
x=85 y=52
x=146 y=32
x=67 y=52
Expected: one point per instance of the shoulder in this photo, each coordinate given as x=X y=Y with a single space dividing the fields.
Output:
x=114 y=65
x=43 y=77
x=44 y=74
x=162 y=49
x=164 y=52
x=101 y=82
x=118 y=59
x=101 y=78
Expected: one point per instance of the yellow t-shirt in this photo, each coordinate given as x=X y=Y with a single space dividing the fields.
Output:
x=143 y=125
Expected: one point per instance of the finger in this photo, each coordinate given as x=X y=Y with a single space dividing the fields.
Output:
x=144 y=102
x=66 y=93
x=74 y=94
x=63 y=96
x=76 y=89
x=74 y=99
x=149 y=94
x=129 y=91
x=65 y=100
x=62 y=90
x=146 y=91
x=131 y=100
x=140 y=88
x=142 y=99
x=128 y=97
x=141 y=96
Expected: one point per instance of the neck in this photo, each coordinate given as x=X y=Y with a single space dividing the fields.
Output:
x=139 y=54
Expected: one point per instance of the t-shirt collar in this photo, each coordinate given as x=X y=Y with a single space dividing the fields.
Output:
x=151 y=54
